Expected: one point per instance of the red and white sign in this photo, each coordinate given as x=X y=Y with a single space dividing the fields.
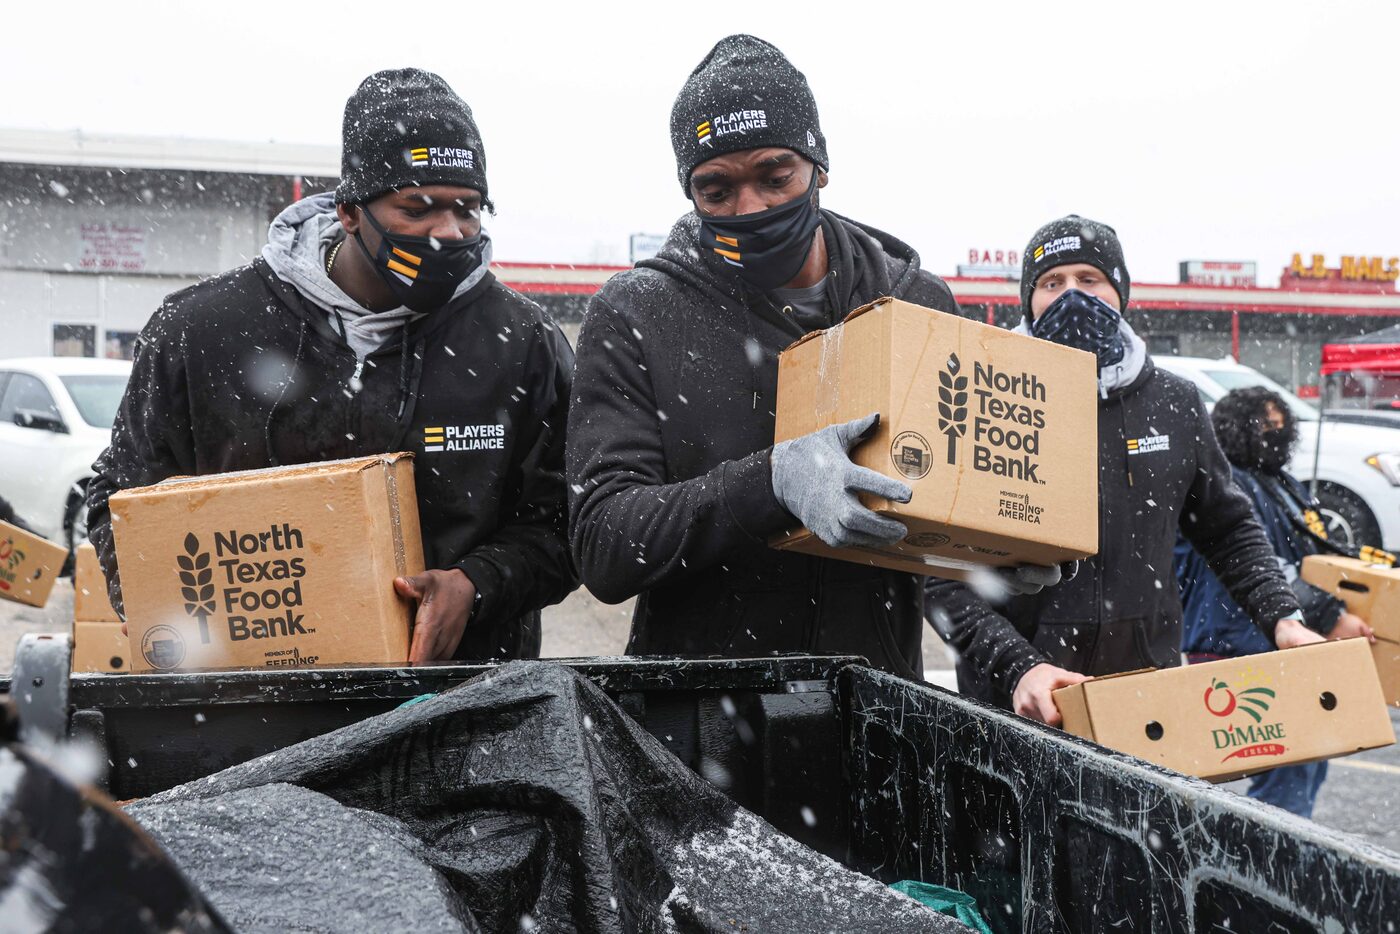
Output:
x=1216 y=272
x=111 y=247
x=994 y=258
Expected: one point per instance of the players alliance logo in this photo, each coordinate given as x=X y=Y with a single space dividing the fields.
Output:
x=443 y=438
x=440 y=157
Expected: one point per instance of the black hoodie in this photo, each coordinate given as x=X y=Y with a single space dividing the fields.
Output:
x=1160 y=470
x=210 y=392
x=671 y=433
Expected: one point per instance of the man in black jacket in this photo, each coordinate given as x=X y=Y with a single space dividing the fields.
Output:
x=675 y=485
x=401 y=340
x=1160 y=469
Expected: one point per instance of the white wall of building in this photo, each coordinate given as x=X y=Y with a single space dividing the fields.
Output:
x=96 y=231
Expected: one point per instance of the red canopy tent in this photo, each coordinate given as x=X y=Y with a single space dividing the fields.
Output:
x=1377 y=352
x=1367 y=368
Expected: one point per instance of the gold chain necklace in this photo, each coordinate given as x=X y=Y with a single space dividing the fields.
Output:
x=330 y=260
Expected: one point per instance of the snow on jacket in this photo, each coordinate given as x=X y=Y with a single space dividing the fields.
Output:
x=1160 y=470
x=671 y=433
x=240 y=372
x=1213 y=622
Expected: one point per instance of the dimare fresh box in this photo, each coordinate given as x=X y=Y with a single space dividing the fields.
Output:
x=29 y=565
x=995 y=432
x=1373 y=593
x=283 y=567
x=1226 y=719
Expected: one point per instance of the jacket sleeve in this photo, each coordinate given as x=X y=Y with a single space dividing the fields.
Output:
x=630 y=528
x=1218 y=520
x=151 y=437
x=932 y=292
x=525 y=565
x=987 y=642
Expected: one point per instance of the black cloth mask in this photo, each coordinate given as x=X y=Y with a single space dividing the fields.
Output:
x=1077 y=319
x=422 y=272
x=1276 y=448
x=766 y=248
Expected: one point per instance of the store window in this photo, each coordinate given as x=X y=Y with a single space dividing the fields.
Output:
x=75 y=340
x=119 y=345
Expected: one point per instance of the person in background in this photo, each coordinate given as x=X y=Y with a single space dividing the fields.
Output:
x=1160 y=471
x=1258 y=432
x=8 y=514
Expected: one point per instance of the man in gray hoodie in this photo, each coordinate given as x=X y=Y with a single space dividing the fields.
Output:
x=324 y=348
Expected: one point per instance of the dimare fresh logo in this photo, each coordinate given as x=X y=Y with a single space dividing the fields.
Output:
x=11 y=557
x=1252 y=739
x=952 y=404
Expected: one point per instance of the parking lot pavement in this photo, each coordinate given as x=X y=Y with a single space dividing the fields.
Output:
x=1361 y=794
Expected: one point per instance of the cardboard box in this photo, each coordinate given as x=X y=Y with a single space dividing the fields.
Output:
x=90 y=601
x=1227 y=719
x=995 y=432
x=1373 y=593
x=29 y=565
x=284 y=567
x=100 y=647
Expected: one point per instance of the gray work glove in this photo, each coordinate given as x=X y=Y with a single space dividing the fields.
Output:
x=1029 y=579
x=814 y=479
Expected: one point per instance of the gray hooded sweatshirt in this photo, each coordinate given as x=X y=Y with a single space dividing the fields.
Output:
x=297 y=243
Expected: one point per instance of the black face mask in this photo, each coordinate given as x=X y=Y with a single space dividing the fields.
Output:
x=767 y=248
x=422 y=272
x=1275 y=448
x=1077 y=319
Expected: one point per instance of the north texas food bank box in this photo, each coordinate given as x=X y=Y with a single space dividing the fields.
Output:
x=995 y=432
x=1372 y=593
x=285 y=567
x=1226 y=719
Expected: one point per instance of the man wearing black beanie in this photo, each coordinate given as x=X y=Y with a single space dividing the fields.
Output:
x=372 y=323
x=1160 y=470
x=676 y=486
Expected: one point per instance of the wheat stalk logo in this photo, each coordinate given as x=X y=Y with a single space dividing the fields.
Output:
x=197 y=584
x=952 y=405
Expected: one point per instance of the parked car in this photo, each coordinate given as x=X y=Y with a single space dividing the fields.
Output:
x=56 y=416
x=1358 y=466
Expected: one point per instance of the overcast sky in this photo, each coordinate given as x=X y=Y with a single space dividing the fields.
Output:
x=1218 y=130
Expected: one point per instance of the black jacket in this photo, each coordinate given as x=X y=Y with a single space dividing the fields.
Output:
x=671 y=432
x=209 y=393
x=1123 y=611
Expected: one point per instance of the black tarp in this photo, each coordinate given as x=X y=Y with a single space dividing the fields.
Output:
x=523 y=800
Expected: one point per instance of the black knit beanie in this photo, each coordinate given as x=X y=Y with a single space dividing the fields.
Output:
x=744 y=95
x=405 y=127
x=1074 y=239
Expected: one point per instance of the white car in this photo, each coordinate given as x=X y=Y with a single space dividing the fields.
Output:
x=1358 y=465
x=56 y=416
